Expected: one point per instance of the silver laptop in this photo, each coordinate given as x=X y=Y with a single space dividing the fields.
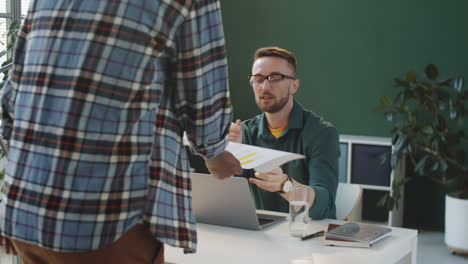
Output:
x=227 y=202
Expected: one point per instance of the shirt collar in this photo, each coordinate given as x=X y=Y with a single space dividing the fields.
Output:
x=295 y=121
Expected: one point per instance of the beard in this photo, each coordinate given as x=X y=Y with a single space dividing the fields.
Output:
x=275 y=107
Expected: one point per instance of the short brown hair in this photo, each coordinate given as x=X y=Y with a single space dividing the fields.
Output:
x=277 y=52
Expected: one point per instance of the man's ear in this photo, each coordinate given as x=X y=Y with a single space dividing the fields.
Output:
x=294 y=86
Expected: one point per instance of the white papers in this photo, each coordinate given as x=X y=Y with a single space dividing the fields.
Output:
x=260 y=159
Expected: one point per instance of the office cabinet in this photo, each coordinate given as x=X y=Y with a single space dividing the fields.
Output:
x=366 y=161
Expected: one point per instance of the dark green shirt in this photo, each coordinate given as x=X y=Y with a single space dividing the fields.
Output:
x=309 y=135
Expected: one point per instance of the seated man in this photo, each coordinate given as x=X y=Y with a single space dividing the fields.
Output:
x=285 y=125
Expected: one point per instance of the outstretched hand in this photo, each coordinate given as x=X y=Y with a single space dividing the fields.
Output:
x=224 y=165
x=270 y=181
x=9 y=248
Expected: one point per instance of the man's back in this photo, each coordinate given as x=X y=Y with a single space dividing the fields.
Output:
x=83 y=101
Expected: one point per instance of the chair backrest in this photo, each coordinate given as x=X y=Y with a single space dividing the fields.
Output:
x=348 y=197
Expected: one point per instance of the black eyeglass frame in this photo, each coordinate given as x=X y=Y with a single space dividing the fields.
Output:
x=268 y=77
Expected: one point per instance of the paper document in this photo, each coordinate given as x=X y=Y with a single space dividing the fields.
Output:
x=260 y=159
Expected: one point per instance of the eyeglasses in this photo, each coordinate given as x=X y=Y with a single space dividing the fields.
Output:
x=258 y=79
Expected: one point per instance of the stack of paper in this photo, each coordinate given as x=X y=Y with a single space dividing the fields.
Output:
x=260 y=159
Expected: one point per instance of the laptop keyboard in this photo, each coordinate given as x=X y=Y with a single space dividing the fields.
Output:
x=263 y=221
x=266 y=218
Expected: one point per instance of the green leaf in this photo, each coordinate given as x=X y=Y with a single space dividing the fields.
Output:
x=382 y=201
x=384 y=100
x=386 y=201
x=445 y=82
x=460 y=120
x=465 y=95
x=428 y=130
x=410 y=76
x=431 y=72
x=442 y=106
x=435 y=144
x=400 y=143
x=412 y=117
x=398 y=97
x=389 y=117
x=458 y=84
x=453 y=114
x=390 y=203
x=394 y=159
x=420 y=166
x=443 y=165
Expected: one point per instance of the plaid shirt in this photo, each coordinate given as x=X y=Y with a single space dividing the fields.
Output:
x=95 y=109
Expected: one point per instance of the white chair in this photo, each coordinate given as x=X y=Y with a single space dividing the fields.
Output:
x=348 y=196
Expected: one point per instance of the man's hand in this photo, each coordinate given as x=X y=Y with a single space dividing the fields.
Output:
x=224 y=165
x=270 y=181
x=9 y=248
x=235 y=132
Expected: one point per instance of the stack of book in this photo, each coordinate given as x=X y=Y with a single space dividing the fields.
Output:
x=354 y=234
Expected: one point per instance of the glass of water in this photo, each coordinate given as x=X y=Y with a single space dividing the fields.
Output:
x=299 y=210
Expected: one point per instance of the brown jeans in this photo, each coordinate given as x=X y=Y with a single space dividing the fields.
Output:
x=137 y=246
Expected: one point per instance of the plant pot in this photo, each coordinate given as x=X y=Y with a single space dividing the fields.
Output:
x=456 y=219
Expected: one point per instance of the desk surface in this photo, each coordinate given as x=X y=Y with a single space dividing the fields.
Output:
x=217 y=244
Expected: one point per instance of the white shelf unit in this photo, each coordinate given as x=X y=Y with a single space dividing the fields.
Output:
x=360 y=163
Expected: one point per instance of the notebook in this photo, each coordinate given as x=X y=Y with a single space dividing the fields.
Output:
x=355 y=234
x=227 y=202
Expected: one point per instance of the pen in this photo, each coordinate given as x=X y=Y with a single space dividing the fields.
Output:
x=317 y=234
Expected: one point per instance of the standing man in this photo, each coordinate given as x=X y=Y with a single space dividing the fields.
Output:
x=285 y=125
x=99 y=94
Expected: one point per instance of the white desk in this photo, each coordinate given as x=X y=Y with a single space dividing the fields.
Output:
x=217 y=244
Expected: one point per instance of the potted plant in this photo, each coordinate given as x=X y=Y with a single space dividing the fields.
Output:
x=428 y=130
x=10 y=36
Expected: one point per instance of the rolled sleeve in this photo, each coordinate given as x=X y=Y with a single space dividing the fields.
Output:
x=202 y=102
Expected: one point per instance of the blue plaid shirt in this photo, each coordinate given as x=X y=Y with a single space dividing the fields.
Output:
x=95 y=109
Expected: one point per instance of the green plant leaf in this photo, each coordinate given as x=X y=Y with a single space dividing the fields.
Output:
x=384 y=100
x=445 y=82
x=386 y=201
x=453 y=114
x=412 y=117
x=398 y=97
x=421 y=165
x=389 y=117
x=410 y=76
x=458 y=84
x=428 y=130
x=394 y=159
x=435 y=144
x=443 y=165
x=442 y=106
x=401 y=83
x=460 y=120
x=400 y=143
x=431 y=72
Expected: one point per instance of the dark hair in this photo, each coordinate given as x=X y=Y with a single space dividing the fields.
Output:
x=277 y=52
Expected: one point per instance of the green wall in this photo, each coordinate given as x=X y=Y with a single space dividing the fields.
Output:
x=348 y=52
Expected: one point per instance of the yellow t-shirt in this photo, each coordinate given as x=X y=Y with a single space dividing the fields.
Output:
x=276 y=132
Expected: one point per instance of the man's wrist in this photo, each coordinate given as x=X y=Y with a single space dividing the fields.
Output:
x=286 y=186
